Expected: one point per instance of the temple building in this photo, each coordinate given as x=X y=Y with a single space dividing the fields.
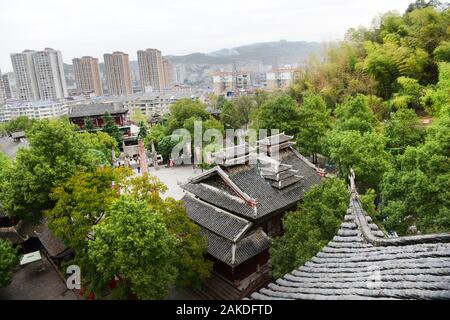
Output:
x=239 y=204
x=79 y=113
x=360 y=262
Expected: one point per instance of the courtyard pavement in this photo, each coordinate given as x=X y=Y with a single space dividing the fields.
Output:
x=37 y=281
x=9 y=147
x=172 y=177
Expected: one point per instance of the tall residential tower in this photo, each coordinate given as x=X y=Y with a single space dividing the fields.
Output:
x=87 y=76
x=39 y=75
x=151 y=70
x=117 y=72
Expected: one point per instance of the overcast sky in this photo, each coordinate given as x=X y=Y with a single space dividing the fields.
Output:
x=94 y=27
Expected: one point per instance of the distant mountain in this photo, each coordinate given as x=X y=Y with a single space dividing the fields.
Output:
x=281 y=51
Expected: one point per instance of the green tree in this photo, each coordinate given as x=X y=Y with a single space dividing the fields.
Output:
x=314 y=123
x=408 y=94
x=99 y=142
x=142 y=130
x=5 y=165
x=417 y=194
x=280 y=112
x=208 y=124
x=403 y=130
x=55 y=152
x=166 y=145
x=337 y=76
x=437 y=100
x=138 y=117
x=311 y=227
x=88 y=124
x=155 y=135
x=244 y=108
x=20 y=123
x=388 y=61
x=81 y=203
x=442 y=53
x=133 y=243
x=184 y=109
x=426 y=28
x=192 y=267
x=111 y=128
x=228 y=115
x=365 y=153
x=355 y=114
x=8 y=261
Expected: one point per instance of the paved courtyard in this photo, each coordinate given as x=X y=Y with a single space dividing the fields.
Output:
x=9 y=147
x=172 y=177
x=37 y=281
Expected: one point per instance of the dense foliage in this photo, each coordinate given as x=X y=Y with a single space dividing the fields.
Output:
x=90 y=199
x=311 y=227
x=134 y=244
x=383 y=86
x=56 y=151
x=8 y=261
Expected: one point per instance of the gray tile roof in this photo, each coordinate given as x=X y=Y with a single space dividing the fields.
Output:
x=17 y=234
x=97 y=109
x=360 y=263
x=53 y=245
x=218 y=221
x=249 y=179
x=235 y=254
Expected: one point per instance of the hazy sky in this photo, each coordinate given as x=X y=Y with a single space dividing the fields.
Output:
x=94 y=27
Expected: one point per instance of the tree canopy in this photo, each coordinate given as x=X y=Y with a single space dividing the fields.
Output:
x=56 y=151
x=111 y=128
x=8 y=261
x=416 y=192
x=279 y=112
x=311 y=227
x=314 y=121
x=133 y=243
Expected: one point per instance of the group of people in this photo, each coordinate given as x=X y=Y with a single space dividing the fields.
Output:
x=130 y=162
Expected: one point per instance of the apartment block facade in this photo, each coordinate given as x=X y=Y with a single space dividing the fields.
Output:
x=168 y=73
x=39 y=75
x=281 y=78
x=235 y=82
x=87 y=76
x=151 y=70
x=117 y=73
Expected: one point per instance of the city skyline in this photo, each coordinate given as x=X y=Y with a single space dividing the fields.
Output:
x=175 y=28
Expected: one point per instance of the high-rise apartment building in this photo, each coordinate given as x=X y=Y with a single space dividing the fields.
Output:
x=49 y=70
x=87 y=76
x=168 y=73
x=117 y=72
x=39 y=75
x=151 y=70
x=2 y=90
x=7 y=88
x=180 y=74
x=26 y=81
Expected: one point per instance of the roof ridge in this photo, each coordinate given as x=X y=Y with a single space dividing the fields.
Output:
x=367 y=233
x=249 y=200
x=307 y=162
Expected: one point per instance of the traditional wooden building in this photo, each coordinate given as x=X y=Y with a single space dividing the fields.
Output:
x=361 y=263
x=78 y=113
x=239 y=204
